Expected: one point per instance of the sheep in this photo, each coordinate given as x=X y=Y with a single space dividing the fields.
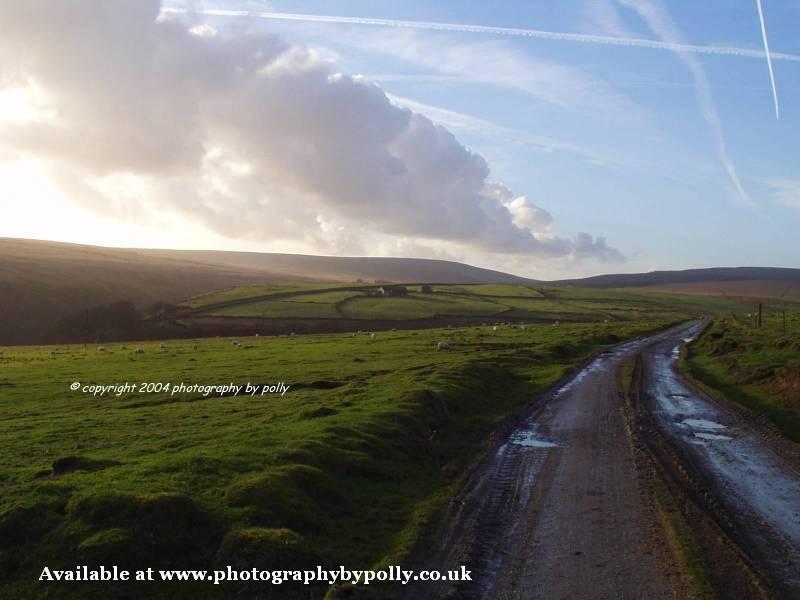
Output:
x=372 y=336
x=138 y=351
x=556 y=324
x=494 y=328
x=54 y=353
x=235 y=342
x=163 y=345
x=293 y=333
x=256 y=335
x=443 y=346
x=101 y=348
x=123 y=347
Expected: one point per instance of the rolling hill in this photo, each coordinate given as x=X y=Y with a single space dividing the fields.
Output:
x=743 y=281
x=42 y=282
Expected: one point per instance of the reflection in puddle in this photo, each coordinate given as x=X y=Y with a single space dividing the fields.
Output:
x=702 y=424
x=712 y=436
x=529 y=439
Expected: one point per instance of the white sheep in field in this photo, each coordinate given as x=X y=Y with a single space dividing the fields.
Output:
x=54 y=353
x=443 y=346
x=494 y=328
x=372 y=336
x=101 y=348
x=235 y=342
x=138 y=351
x=123 y=347
x=163 y=345
x=256 y=335
x=556 y=324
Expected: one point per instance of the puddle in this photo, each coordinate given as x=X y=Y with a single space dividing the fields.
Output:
x=702 y=424
x=712 y=436
x=529 y=439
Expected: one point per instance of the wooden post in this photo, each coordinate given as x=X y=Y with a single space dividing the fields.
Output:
x=760 y=316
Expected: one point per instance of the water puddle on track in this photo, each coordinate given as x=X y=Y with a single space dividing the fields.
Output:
x=530 y=439
x=702 y=424
x=711 y=436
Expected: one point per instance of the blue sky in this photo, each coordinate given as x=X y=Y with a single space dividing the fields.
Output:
x=668 y=203
x=675 y=158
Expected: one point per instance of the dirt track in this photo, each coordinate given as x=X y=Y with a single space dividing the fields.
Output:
x=755 y=482
x=560 y=509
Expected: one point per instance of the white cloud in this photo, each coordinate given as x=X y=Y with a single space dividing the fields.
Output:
x=251 y=135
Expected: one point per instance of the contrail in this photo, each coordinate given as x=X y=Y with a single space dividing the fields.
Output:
x=769 y=59
x=531 y=33
x=660 y=22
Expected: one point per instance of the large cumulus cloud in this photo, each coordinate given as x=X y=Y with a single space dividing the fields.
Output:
x=247 y=133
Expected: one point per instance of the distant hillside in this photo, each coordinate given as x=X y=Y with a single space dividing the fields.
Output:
x=736 y=281
x=338 y=268
x=42 y=282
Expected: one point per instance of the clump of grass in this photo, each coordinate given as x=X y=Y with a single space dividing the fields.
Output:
x=756 y=368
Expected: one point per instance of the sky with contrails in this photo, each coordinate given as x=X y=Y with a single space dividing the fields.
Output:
x=548 y=139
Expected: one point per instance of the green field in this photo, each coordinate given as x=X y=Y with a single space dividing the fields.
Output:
x=420 y=306
x=491 y=289
x=757 y=368
x=317 y=305
x=348 y=467
x=251 y=291
x=489 y=302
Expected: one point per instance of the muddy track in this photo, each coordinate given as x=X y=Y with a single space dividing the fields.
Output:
x=746 y=480
x=562 y=506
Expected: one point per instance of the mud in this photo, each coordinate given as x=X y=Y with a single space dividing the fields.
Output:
x=562 y=506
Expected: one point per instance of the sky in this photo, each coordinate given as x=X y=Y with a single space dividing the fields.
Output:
x=548 y=139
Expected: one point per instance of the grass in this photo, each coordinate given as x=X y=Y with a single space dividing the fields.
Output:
x=420 y=306
x=487 y=301
x=756 y=368
x=490 y=289
x=251 y=291
x=318 y=305
x=348 y=467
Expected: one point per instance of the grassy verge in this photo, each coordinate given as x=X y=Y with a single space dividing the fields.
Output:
x=348 y=467
x=759 y=369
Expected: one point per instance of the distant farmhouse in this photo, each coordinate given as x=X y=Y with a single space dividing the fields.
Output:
x=393 y=291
